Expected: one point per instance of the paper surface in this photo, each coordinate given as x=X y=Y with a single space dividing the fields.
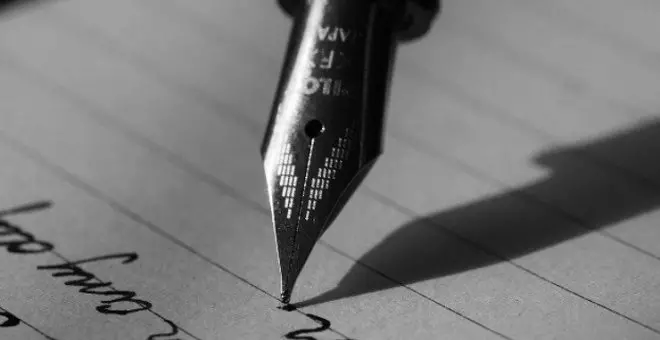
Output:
x=516 y=199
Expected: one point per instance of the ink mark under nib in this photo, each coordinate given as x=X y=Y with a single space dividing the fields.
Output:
x=287 y=307
x=325 y=128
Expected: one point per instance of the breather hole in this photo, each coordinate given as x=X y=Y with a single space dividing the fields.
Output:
x=314 y=128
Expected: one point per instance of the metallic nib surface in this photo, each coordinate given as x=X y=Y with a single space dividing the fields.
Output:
x=325 y=128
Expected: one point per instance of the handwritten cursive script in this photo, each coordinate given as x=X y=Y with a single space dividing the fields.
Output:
x=90 y=284
x=18 y=241
x=301 y=334
x=118 y=302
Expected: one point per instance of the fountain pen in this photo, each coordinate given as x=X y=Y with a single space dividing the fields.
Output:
x=326 y=125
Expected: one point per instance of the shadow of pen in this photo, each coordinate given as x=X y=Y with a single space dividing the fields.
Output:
x=510 y=225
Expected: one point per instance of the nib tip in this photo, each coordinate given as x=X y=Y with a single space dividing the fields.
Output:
x=285 y=297
x=287 y=307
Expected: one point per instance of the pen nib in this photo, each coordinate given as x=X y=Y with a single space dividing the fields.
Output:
x=325 y=129
x=309 y=181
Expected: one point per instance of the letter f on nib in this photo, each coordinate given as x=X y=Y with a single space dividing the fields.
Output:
x=325 y=128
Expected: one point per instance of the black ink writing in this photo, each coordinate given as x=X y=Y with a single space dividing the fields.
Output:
x=324 y=325
x=298 y=335
x=287 y=307
x=10 y=320
x=174 y=330
x=85 y=280
x=18 y=241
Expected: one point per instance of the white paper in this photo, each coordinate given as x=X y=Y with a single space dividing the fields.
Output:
x=516 y=198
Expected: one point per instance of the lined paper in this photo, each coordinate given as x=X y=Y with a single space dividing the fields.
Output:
x=516 y=199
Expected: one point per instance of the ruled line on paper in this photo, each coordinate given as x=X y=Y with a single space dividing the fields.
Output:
x=109 y=121
x=491 y=43
x=482 y=38
x=582 y=25
x=8 y=319
x=418 y=293
x=550 y=49
x=182 y=13
x=88 y=33
x=496 y=42
x=480 y=107
x=462 y=95
x=111 y=287
x=496 y=254
x=482 y=175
